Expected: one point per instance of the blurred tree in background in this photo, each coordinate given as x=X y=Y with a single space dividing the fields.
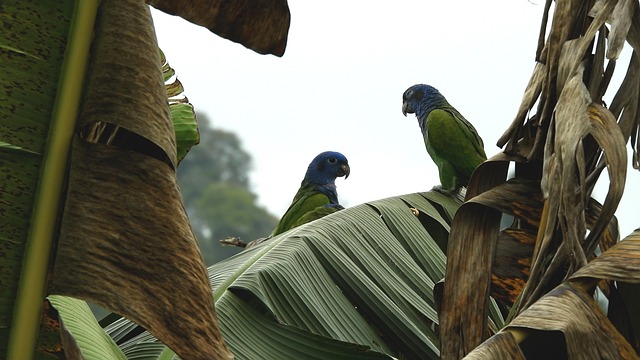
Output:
x=214 y=181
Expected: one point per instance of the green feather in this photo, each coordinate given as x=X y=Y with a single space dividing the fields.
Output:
x=306 y=200
x=454 y=145
x=317 y=213
x=451 y=141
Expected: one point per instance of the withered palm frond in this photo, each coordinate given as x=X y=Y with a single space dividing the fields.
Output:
x=561 y=140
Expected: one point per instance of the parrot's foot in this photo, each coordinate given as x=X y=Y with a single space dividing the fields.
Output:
x=256 y=242
x=458 y=193
x=443 y=191
x=233 y=241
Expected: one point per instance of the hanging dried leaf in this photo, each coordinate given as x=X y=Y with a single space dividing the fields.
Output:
x=512 y=264
x=127 y=74
x=568 y=309
x=53 y=339
x=620 y=24
x=564 y=163
x=501 y=346
x=260 y=25
x=573 y=138
x=470 y=253
x=571 y=309
x=125 y=240
x=620 y=263
x=624 y=105
x=607 y=134
x=517 y=128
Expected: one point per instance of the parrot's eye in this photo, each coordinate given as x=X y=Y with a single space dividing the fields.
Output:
x=332 y=160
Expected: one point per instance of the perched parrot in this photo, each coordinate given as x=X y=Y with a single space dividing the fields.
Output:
x=317 y=196
x=451 y=141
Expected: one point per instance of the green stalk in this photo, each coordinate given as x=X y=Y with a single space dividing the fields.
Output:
x=31 y=290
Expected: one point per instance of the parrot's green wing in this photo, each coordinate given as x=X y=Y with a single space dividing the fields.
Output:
x=454 y=145
x=306 y=200
x=317 y=213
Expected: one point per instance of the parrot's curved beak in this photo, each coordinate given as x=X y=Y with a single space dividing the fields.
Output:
x=404 y=108
x=345 y=170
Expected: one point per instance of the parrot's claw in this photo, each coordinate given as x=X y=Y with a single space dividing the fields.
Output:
x=458 y=193
x=233 y=241
x=441 y=190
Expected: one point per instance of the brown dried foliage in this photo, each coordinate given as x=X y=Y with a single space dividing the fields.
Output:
x=562 y=138
x=125 y=239
x=260 y=25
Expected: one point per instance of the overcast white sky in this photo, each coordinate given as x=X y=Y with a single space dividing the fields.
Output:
x=340 y=82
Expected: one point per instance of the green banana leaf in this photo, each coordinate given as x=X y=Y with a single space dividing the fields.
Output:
x=356 y=284
x=81 y=323
x=182 y=113
x=363 y=275
x=32 y=49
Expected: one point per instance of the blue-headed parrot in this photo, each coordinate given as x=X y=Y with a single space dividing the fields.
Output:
x=451 y=141
x=317 y=196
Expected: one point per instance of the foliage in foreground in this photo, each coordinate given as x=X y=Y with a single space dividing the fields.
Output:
x=373 y=259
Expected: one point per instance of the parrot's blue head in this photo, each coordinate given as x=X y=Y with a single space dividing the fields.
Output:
x=326 y=167
x=420 y=99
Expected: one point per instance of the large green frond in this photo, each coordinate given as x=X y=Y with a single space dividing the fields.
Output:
x=39 y=93
x=362 y=276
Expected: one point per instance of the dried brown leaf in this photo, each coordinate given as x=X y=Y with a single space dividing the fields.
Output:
x=126 y=244
x=521 y=199
x=620 y=24
x=611 y=234
x=260 y=25
x=463 y=317
x=125 y=240
x=572 y=311
x=125 y=68
x=564 y=26
x=531 y=94
x=574 y=51
x=561 y=168
x=596 y=82
x=515 y=248
x=517 y=197
x=625 y=102
x=619 y=267
x=619 y=263
x=470 y=252
x=562 y=246
x=502 y=346
x=54 y=340
x=633 y=36
x=512 y=263
x=581 y=139
x=609 y=138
